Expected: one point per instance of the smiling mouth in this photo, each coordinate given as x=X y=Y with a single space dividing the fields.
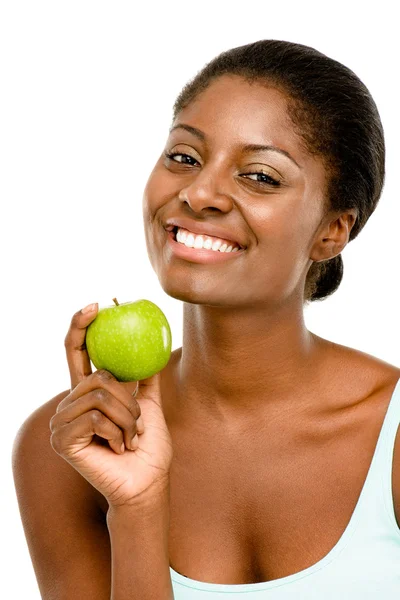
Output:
x=213 y=243
x=205 y=256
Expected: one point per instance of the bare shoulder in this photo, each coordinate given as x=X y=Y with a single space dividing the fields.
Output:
x=34 y=455
x=380 y=379
x=60 y=512
x=390 y=376
x=368 y=373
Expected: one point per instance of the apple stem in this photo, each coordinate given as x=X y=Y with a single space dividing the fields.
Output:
x=115 y=302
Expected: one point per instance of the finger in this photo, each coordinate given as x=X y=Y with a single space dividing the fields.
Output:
x=103 y=401
x=78 y=434
x=105 y=380
x=100 y=379
x=77 y=356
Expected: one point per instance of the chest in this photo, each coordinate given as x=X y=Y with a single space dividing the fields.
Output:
x=264 y=507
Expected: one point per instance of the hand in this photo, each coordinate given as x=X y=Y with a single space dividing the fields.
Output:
x=94 y=425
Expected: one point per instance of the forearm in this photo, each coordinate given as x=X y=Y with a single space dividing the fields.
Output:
x=139 y=550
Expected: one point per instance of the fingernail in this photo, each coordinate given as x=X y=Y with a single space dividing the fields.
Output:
x=135 y=443
x=88 y=308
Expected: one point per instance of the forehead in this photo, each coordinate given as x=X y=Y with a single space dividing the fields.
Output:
x=232 y=109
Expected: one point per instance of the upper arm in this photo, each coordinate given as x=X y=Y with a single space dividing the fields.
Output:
x=65 y=529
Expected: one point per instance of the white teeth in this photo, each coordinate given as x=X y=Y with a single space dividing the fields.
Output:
x=216 y=244
x=189 y=242
x=200 y=241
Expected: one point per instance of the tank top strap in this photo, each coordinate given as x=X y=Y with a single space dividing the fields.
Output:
x=385 y=464
x=376 y=501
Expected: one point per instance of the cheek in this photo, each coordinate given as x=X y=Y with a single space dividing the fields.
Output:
x=153 y=194
x=283 y=231
x=281 y=222
x=296 y=229
x=298 y=215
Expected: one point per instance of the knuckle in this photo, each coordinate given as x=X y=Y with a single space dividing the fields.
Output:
x=101 y=395
x=97 y=417
x=76 y=317
x=104 y=375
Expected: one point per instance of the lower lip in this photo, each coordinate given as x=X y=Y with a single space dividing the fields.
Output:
x=199 y=255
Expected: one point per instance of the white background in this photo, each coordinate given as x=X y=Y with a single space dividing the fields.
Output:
x=86 y=99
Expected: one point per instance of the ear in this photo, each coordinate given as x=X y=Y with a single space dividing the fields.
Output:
x=333 y=235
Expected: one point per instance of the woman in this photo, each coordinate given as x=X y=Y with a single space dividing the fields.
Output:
x=263 y=460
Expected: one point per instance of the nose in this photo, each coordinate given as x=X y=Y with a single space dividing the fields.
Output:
x=204 y=191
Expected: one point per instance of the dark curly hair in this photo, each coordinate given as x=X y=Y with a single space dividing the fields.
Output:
x=335 y=116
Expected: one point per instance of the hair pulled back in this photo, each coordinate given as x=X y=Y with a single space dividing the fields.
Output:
x=335 y=116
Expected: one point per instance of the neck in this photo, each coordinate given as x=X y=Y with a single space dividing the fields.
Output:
x=235 y=361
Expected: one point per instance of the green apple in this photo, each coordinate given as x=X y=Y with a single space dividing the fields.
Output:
x=132 y=340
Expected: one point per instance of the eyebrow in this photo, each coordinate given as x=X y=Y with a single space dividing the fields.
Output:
x=246 y=148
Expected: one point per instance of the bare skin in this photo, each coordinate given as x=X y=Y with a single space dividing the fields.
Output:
x=250 y=376
x=244 y=336
x=260 y=410
x=252 y=501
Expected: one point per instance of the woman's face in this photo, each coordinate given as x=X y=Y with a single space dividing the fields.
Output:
x=271 y=199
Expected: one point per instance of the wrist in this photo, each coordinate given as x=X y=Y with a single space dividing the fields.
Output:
x=139 y=543
x=147 y=502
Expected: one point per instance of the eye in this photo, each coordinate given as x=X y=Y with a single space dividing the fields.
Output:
x=173 y=155
x=267 y=179
x=185 y=159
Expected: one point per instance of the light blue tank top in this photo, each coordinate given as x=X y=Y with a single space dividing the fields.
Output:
x=364 y=564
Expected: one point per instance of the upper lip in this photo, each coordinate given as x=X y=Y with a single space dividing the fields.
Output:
x=201 y=227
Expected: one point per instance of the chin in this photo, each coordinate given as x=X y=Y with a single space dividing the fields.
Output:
x=195 y=292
